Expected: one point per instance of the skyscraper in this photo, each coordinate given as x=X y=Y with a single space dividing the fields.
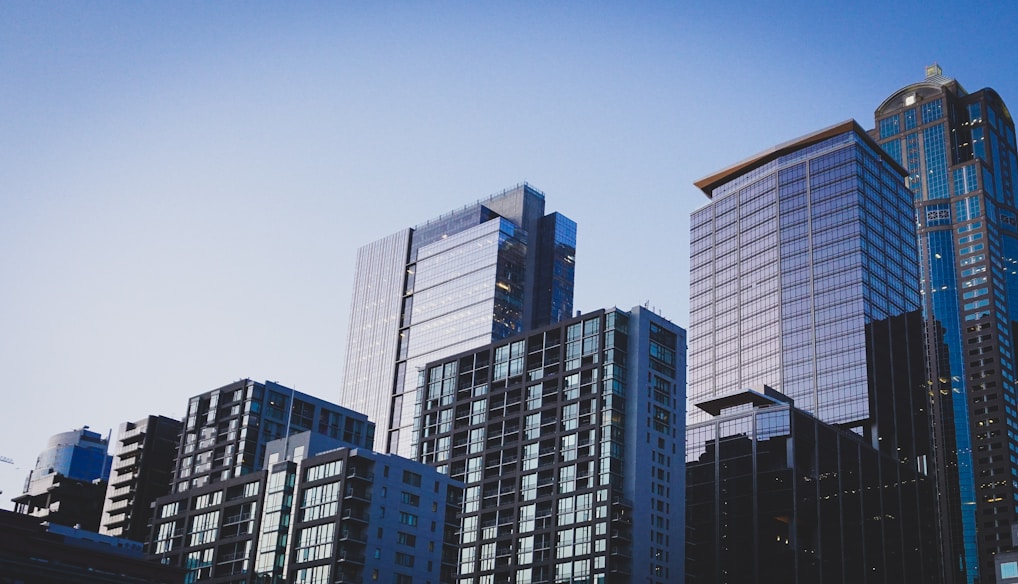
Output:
x=482 y=273
x=568 y=440
x=959 y=151
x=805 y=287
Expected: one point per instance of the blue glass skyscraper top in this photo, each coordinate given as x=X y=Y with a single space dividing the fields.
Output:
x=959 y=149
x=79 y=454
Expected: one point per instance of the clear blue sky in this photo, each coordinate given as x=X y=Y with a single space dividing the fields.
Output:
x=183 y=185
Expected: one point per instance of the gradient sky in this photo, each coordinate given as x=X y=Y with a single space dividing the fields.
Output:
x=183 y=185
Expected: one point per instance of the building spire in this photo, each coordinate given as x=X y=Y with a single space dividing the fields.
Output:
x=933 y=70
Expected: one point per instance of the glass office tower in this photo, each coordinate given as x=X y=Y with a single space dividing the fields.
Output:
x=482 y=273
x=804 y=284
x=959 y=150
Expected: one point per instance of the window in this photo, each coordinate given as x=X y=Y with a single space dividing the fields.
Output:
x=965 y=180
x=932 y=110
x=407 y=518
x=208 y=500
x=407 y=539
x=203 y=528
x=1009 y=570
x=411 y=478
x=404 y=560
x=315 y=543
x=889 y=127
x=276 y=406
x=321 y=471
x=409 y=498
x=975 y=114
x=302 y=414
x=910 y=119
x=321 y=501
x=199 y=564
x=314 y=575
x=170 y=509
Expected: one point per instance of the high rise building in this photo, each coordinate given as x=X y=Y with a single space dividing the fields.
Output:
x=68 y=482
x=318 y=506
x=142 y=471
x=568 y=440
x=226 y=429
x=959 y=151
x=482 y=273
x=805 y=287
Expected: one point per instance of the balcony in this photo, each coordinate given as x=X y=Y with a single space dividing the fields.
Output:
x=119 y=493
x=353 y=535
x=126 y=462
x=238 y=518
x=132 y=436
x=354 y=515
x=122 y=504
x=621 y=551
x=117 y=521
x=231 y=557
x=359 y=474
x=350 y=557
x=345 y=578
x=118 y=480
x=357 y=494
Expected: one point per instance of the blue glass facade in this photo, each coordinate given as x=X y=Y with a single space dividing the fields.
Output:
x=960 y=152
x=69 y=480
x=789 y=262
x=482 y=273
x=804 y=284
x=79 y=454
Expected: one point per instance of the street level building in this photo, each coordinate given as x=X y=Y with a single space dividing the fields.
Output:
x=34 y=551
x=775 y=495
x=568 y=440
x=804 y=280
x=490 y=270
x=959 y=152
x=142 y=471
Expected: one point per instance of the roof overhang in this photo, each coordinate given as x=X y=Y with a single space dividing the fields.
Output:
x=709 y=183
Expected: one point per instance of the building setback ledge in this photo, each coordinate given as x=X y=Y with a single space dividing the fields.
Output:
x=769 y=397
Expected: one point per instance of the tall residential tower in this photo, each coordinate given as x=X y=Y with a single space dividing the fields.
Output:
x=482 y=273
x=142 y=471
x=568 y=440
x=959 y=151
